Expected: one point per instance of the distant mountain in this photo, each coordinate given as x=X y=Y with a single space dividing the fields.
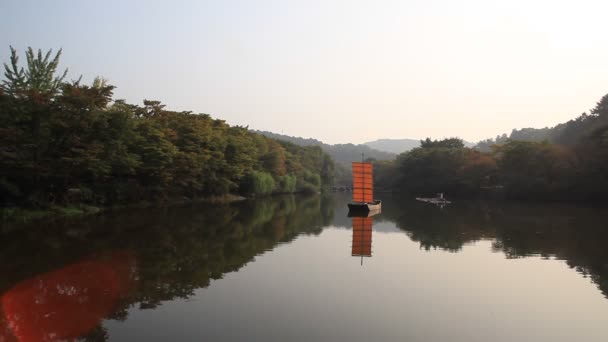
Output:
x=398 y=146
x=394 y=145
x=342 y=154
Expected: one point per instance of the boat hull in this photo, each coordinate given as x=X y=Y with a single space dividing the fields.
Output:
x=364 y=207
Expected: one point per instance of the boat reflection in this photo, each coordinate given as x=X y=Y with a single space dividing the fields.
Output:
x=67 y=303
x=362 y=233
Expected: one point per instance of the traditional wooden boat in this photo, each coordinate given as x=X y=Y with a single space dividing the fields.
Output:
x=363 y=189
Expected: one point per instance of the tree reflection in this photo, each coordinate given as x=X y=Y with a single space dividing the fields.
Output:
x=172 y=252
x=575 y=234
x=176 y=251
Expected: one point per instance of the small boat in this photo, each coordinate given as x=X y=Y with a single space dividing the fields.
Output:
x=434 y=200
x=363 y=190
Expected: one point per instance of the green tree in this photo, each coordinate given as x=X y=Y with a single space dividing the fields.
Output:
x=62 y=138
x=536 y=169
x=38 y=82
x=447 y=143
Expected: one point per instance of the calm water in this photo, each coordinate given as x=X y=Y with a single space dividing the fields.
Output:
x=294 y=269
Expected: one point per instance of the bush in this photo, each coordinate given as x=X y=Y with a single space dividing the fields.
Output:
x=310 y=183
x=257 y=183
x=287 y=184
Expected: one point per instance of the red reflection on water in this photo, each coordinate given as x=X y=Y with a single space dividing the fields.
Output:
x=68 y=302
x=362 y=236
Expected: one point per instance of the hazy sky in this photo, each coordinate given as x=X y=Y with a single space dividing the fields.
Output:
x=338 y=71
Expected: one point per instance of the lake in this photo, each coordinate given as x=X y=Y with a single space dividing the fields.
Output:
x=293 y=268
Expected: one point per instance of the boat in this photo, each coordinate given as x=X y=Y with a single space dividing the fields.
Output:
x=440 y=199
x=363 y=190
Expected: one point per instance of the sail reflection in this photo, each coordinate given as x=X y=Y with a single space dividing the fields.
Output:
x=67 y=303
x=362 y=234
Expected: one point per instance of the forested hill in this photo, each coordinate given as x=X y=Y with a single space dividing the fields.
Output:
x=294 y=140
x=398 y=146
x=343 y=154
x=570 y=164
x=568 y=133
x=66 y=143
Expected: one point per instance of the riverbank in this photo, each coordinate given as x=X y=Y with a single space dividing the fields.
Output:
x=24 y=215
x=27 y=215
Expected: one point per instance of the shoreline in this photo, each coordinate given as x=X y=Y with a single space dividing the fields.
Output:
x=18 y=215
x=24 y=215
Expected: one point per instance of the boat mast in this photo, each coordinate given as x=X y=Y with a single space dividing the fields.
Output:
x=363 y=182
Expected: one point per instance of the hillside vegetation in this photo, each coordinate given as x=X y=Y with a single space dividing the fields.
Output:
x=342 y=154
x=68 y=142
x=398 y=146
x=568 y=133
x=64 y=143
x=569 y=163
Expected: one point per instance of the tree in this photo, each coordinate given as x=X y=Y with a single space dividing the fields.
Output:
x=601 y=108
x=536 y=169
x=448 y=143
x=38 y=81
x=62 y=138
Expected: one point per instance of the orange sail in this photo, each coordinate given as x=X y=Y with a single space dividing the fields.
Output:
x=363 y=183
x=362 y=236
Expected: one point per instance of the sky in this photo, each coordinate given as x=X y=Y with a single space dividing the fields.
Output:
x=338 y=71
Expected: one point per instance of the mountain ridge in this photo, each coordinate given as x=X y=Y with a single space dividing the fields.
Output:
x=396 y=146
x=379 y=149
x=341 y=153
x=399 y=146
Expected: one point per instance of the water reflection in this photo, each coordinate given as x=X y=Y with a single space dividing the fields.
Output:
x=61 y=280
x=577 y=234
x=53 y=290
x=69 y=302
x=362 y=237
x=362 y=233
